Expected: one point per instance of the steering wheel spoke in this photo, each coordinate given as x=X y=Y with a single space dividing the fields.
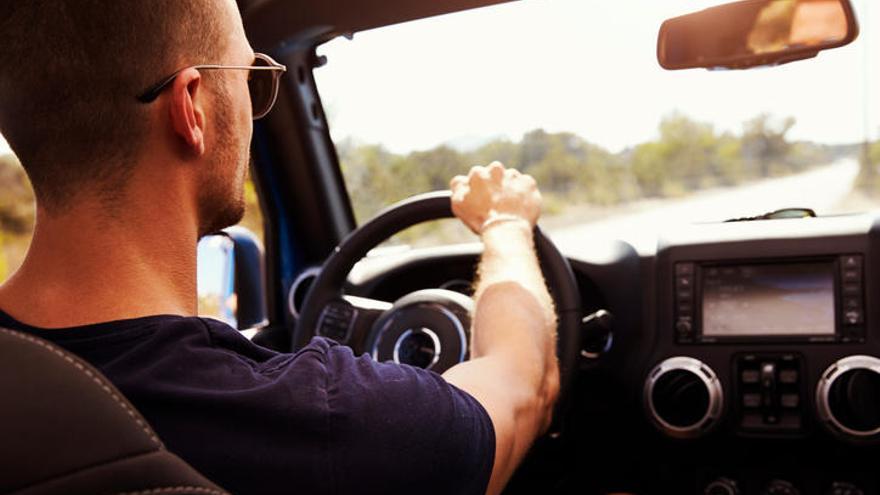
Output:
x=348 y=319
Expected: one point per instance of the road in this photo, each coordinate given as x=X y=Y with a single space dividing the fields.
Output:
x=820 y=189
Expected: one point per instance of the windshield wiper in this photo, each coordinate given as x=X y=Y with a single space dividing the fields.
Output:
x=778 y=214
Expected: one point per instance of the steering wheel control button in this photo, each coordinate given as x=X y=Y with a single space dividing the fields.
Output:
x=336 y=321
x=780 y=487
x=769 y=391
x=848 y=397
x=722 y=486
x=683 y=397
x=839 y=488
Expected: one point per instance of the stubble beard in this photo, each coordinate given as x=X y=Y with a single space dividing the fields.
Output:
x=221 y=195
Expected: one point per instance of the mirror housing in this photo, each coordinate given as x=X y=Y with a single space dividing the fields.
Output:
x=753 y=33
x=231 y=278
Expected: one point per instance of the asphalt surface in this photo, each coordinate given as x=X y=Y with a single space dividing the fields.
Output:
x=821 y=189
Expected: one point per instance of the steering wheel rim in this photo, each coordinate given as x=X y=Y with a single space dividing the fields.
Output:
x=329 y=284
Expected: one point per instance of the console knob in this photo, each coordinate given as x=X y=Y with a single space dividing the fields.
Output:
x=844 y=489
x=722 y=486
x=683 y=397
x=597 y=334
x=779 y=487
x=848 y=397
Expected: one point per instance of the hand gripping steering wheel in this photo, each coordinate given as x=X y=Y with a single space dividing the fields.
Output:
x=427 y=328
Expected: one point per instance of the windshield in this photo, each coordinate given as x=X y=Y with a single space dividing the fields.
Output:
x=570 y=91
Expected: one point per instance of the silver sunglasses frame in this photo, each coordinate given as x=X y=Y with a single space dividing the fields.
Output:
x=153 y=93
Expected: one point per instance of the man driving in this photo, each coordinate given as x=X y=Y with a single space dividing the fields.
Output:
x=133 y=121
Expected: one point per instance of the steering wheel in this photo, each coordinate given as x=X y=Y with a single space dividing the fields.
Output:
x=427 y=328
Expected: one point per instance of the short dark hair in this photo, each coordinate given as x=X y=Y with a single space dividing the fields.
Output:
x=70 y=72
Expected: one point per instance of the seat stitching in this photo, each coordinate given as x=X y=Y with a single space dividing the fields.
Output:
x=95 y=378
x=176 y=489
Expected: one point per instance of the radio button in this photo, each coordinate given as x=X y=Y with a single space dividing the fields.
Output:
x=852 y=303
x=752 y=400
x=788 y=377
x=851 y=261
x=853 y=317
x=684 y=326
x=684 y=268
x=790 y=421
x=852 y=275
x=790 y=401
x=750 y=376
x=852 y=289
x=684 y=282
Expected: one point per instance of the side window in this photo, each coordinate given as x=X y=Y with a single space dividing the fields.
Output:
x=17 y=213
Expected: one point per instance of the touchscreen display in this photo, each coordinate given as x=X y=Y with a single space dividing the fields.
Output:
x=768 y=300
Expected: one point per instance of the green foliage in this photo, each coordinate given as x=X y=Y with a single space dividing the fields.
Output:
x=868 y=181
x=17 y=200
x=687 y=155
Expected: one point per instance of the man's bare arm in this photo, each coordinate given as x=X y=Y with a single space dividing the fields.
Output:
x=513 y=371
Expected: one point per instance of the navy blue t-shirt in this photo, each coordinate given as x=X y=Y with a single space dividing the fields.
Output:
x=320 y=421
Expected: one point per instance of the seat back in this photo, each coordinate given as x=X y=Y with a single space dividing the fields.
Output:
x=64 y=428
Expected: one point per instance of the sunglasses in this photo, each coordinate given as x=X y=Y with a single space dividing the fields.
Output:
x=263 y=77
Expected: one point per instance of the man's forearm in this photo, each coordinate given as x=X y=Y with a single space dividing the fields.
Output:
x=512 y=371
x=514 y=315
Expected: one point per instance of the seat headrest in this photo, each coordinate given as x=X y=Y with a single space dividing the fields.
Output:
x=67 y=429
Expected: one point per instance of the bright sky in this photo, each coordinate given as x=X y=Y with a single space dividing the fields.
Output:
x=587 y=66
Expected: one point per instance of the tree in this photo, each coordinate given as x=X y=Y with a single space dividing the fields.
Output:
x=764 y=145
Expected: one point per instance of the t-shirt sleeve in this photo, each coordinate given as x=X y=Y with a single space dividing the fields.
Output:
x=404 y=430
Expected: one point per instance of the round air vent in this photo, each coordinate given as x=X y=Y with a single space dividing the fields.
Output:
x=683 y=397
x=300 y=288
x=848 y=397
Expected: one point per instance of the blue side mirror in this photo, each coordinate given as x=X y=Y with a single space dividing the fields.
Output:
x=231 y=278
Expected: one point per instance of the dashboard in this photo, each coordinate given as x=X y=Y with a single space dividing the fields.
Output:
x=745 y=359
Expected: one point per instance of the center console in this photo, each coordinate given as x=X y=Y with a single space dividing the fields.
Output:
x=765 y=332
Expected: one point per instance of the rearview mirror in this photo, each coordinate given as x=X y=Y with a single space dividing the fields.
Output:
x=751 y=33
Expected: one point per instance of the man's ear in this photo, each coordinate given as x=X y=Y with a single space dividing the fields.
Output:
x=187 y=114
